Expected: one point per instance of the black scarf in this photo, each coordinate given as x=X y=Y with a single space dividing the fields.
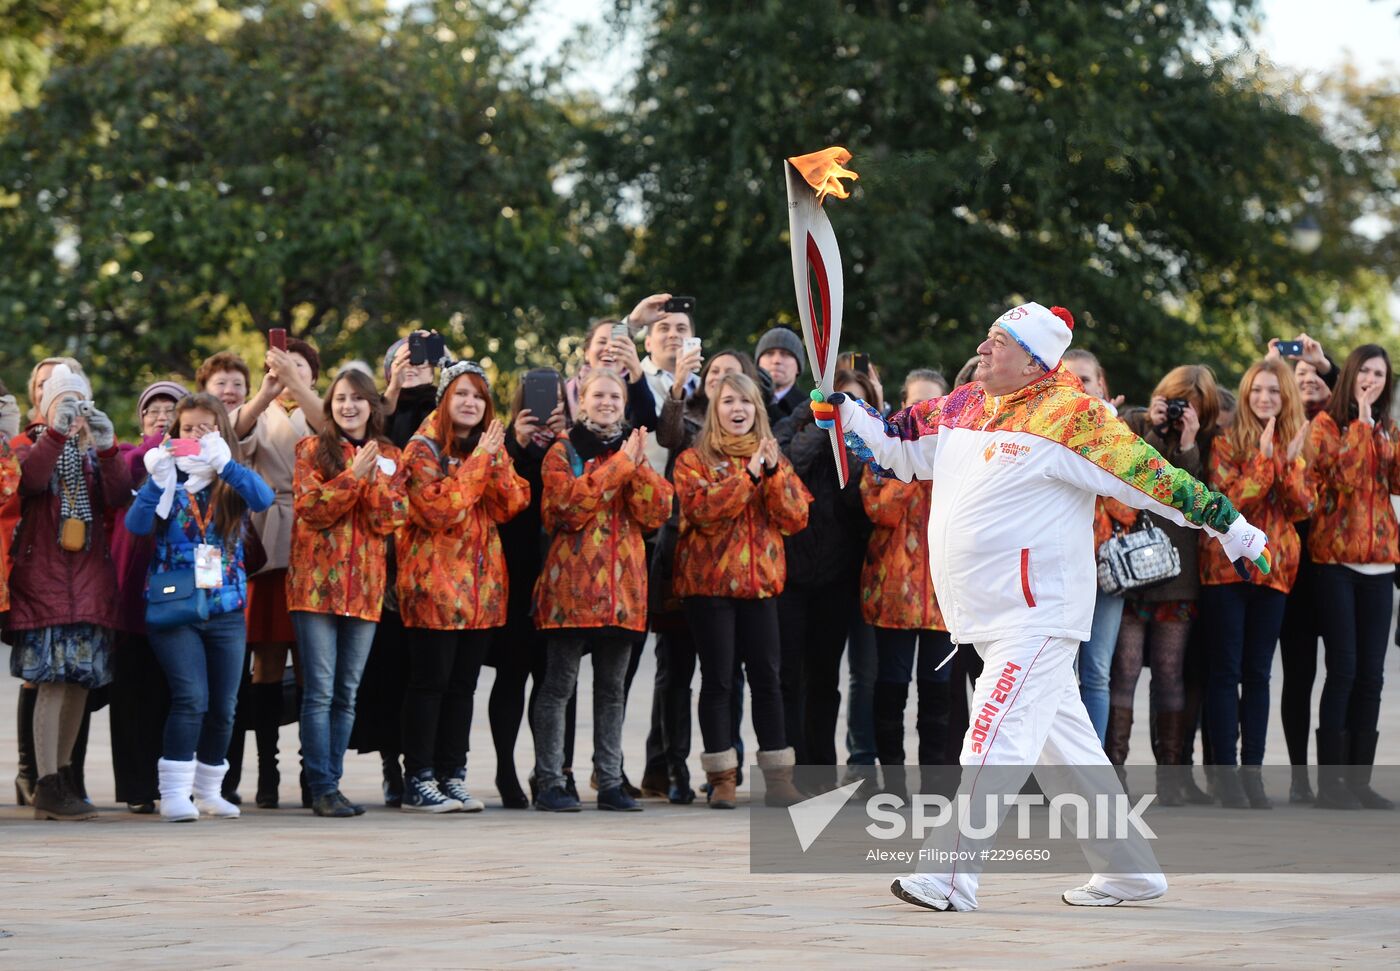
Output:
x=588 y=445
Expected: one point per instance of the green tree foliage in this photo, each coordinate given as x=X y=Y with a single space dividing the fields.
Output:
x=1082 y=152
x=336 y=171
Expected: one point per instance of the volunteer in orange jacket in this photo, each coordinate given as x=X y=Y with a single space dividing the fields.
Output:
x=739 y=497
x=897 y=599
x=1353 y=540
x=451 y=580
x=1259 y=464
x=600 y=496
x=348 y=496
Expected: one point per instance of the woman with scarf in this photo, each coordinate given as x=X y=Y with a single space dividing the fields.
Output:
x=196 y=505
x=600 y=497
x=347 y=496
x=63 y=587
x=452 y=582
x=739 y=497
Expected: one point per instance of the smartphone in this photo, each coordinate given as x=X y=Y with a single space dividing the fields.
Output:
x=679 y=305
x=860 y=363
x=417 y=349
x=691 y=344
x=184 y=447
x=621 y=333
x=1290 y=348
x=539 y=392
x=437 y=348
x=277 y=337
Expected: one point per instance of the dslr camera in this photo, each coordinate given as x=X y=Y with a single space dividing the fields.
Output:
x=1176 y=407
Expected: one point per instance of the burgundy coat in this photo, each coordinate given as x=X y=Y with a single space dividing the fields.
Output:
x=131 y=553
x=49 y=586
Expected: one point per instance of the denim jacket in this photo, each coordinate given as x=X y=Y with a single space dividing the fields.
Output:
x=175 y=544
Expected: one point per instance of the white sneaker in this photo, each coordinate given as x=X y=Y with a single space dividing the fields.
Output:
x=455 y=788
x=1089 y=896
x=909 y=890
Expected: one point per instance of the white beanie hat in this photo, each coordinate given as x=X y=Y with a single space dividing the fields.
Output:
x=61 y=380
x=1043 y=334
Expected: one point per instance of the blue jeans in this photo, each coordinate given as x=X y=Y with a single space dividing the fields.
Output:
x=1096 y=659
x=332 y=652
x=864 y=660
x=203 y=665
x=1241 y=622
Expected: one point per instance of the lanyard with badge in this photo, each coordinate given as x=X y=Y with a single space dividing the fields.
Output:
x=208 y=559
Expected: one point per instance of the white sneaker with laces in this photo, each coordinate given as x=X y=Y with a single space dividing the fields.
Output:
x=456 y=788
x=1089 y=896
x=912 y=891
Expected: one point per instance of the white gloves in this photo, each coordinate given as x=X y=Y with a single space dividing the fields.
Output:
x=1245 y=542
x=160 y=466
x=104 y=436
x=215 y=452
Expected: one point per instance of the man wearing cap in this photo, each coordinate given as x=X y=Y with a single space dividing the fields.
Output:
x=1019 y=455
x=779 y=352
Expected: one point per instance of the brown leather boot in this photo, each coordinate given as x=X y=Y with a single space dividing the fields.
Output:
x=776 y=766
x=53 y=800
x=720 y=770
x=1169 y=768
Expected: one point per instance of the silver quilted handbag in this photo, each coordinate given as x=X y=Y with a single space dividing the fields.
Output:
x=1139 y=558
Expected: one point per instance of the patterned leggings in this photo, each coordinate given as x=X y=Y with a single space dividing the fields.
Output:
x=1167 y=648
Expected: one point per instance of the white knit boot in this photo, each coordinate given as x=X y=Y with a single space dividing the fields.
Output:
x=208 y=781
x=176 y=781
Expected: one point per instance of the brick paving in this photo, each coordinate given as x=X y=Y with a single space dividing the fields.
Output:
x=668 y=887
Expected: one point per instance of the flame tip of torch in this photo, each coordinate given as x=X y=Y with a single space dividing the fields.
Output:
x=824 y=170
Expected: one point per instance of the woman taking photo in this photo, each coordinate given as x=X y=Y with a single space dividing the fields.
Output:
x=348 y=496
x=600 y=497
x=1180 y=424
x=1353 y=540
x=63 y=587
x=452 y=581
x=196 y=504
x=1259 y=464
x=739 y=497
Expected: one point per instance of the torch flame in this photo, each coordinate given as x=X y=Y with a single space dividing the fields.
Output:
x=823 y=171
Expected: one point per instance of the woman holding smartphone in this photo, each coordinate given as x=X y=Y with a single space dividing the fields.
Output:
x=600 y=497
x=739 y=497
x=1259 y=465
x=348 y=497
x=609 y=345
x=1355 y=544
x=195 y=501
x=452 y=581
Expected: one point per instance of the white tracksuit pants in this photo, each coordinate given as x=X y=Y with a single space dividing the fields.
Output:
x=1026 y=710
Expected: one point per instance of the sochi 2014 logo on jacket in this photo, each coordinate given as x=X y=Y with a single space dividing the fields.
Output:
x=1006 y=453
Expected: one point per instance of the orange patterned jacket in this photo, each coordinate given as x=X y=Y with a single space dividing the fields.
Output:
x=1272 y=494
x=731 y=540
x=896 y=587
x=595 y=572
x=1352 y=475
x=337 y=562
x=452 y=573
x=9 y=485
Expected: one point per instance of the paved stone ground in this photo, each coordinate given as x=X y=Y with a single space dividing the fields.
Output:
x=667 y=887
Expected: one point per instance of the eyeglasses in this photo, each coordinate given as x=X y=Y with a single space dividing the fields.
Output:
x=158 y=411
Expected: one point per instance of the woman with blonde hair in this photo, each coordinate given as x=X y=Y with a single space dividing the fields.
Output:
x=739 y=497
x=1259 y=464
x=1180 y=424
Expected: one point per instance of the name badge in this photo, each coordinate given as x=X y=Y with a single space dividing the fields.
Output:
x=208 y=567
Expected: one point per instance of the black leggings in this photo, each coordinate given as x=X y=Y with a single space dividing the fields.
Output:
x=1302 y=626
x=437 y=706
x=519 y=659
x=814 y=621
x=727 y=630
x=1355 y=633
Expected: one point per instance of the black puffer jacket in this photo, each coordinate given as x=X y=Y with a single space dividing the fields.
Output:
x=832 y=547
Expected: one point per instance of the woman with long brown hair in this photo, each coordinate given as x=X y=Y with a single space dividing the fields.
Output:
x=1355 y=543
x=348 y=497
x=1180 y=424
x=1259 y=464
x=196 y=499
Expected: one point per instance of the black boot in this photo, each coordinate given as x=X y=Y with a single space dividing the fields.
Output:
x=28 y=776
x=1300 y=789
x=890 y=699
x=54 y=800
x=1229 y=789
x=74 y=773
x=267 y=725
x=393 y=779
x=936 y=743
x=1363 y=759
x=229 y=787
x=1252 y=777
x=1332 y=755
x=1169 y=769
